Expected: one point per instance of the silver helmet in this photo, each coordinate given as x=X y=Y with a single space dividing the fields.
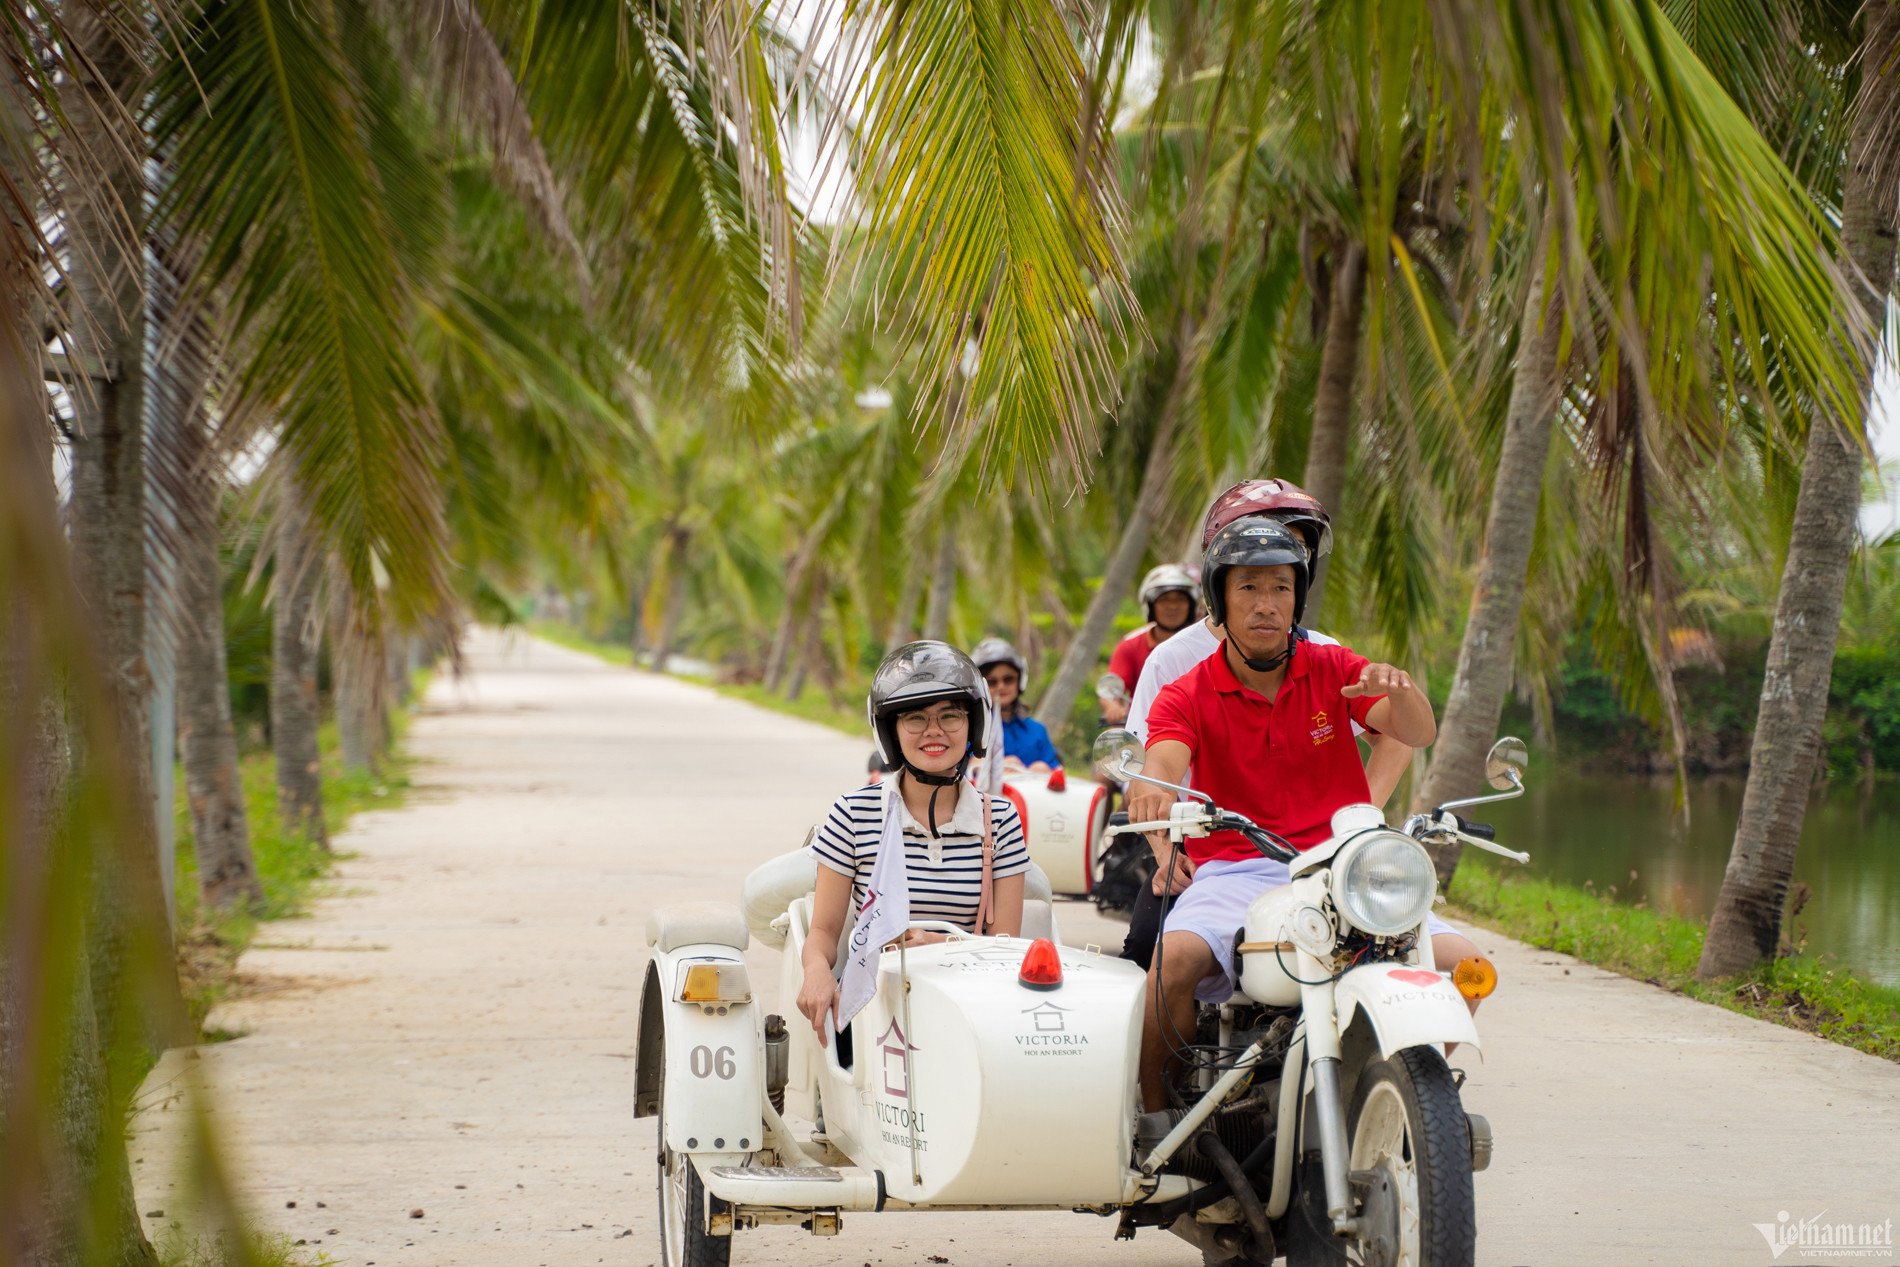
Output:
x=918 y=674
x=998 y=651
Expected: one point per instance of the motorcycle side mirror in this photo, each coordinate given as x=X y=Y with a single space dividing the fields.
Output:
x=1504 y=764
x=1118 y=753
x=1108 y=686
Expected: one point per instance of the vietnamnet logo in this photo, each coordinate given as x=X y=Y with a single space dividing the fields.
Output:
x=1827 y=1240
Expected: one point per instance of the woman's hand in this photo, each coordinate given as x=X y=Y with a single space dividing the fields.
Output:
x=914 y=937
x=817 y=996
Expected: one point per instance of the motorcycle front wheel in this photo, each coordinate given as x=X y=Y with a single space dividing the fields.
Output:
x=684 y=1240
x=1410 y=1148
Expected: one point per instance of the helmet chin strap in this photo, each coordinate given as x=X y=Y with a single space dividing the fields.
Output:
x=937 y=783
x=1265 y=666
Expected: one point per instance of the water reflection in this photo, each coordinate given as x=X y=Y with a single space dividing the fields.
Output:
x=1622 y=831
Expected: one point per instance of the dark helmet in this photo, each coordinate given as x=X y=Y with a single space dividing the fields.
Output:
x=919 y=674
x=1255 y=541
x=1276 y=499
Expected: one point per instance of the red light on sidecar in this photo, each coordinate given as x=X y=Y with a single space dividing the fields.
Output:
x=1042 y=966
x=1058 y=781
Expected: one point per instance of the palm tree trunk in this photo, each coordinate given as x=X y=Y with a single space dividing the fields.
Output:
x=943 y=588
x=69 y=1197
x=1485 y=655
x=674 y=569
x=355 y=668
x=637 y=615
x=106 y=338
x=1079 y=660
x=904 y=618
x=64 y=1145
x=294 y=711
x=1326 y=452
x=1745 y=928
x=220 y=836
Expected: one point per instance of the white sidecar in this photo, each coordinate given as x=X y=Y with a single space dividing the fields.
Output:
x=951 y=1095
x=1063 y=824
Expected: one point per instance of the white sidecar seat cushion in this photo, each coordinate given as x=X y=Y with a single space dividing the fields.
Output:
x=690 y=923
x=772 y=888
x=1036 y=887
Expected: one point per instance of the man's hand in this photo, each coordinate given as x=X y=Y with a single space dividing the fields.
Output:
x=1183 y=874
x=1404 y=713
x=1379 y=679
x=1147 y=803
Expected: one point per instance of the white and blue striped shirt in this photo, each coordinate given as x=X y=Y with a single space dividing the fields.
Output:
x=946 y=873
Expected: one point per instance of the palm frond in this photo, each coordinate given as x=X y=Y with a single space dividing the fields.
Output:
x=283 y=120
x=983 y=219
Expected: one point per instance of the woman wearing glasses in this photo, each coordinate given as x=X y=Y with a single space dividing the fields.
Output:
x=964 y=856
x=1025 y=741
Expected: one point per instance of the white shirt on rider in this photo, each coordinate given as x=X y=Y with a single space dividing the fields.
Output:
x=1179 y=654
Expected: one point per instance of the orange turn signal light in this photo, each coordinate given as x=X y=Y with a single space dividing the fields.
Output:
x=1475 y=977
x=1042 y=966
x=715 y=983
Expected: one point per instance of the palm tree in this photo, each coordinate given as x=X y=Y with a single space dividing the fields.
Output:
x=295 y=713
x=220 y=836
x=1617 y=234
x=1745 y=928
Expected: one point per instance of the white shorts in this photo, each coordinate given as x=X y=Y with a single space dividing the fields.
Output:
x=1215 y=905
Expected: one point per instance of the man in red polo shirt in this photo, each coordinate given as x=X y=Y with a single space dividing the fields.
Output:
x=1266 y=722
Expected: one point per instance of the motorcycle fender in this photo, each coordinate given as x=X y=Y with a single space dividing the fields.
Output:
x=707 y=1060
x=1408 y=1006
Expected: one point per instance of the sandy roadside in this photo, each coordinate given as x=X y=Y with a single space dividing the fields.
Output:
x=452 y=1031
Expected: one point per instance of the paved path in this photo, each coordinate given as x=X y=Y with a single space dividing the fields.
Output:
x=452 y=1031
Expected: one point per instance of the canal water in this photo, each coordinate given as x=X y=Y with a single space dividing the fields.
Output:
x=1623 y=831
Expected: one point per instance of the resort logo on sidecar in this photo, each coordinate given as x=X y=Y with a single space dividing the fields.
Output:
x=1048 y=1033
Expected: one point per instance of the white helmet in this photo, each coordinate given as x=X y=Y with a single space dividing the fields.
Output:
x=1167 y=579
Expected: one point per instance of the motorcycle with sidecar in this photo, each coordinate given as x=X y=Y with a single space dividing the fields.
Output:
x=1319 y=1118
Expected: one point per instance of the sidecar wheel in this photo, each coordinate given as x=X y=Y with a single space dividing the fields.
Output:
x=684 y=1241
x=1409 y=1133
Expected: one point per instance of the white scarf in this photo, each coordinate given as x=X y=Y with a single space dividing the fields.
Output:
x=884 y=916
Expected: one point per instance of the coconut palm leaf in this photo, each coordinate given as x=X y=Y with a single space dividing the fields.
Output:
x=984 y=219
x=292 y=167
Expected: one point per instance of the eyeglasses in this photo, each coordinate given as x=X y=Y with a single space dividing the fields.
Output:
x=918 y=723
x=1002 y=679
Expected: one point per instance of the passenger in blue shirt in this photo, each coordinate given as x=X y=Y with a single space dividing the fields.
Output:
x=1026 y=743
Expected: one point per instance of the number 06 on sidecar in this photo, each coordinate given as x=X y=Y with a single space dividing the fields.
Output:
x=1317 y=1117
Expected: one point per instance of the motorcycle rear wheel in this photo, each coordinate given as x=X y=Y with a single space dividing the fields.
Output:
x=1408 y=1134
x=684 y=1240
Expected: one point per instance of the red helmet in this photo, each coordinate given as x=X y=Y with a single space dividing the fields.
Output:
x=1287 y=503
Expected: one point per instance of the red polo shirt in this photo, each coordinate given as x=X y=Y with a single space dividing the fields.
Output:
x=1286 y=763
x=1130 y=654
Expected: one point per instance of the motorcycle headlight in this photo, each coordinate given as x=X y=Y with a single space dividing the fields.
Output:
x=1384 y=885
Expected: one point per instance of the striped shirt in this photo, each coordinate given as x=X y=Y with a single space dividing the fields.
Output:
x=946 y=874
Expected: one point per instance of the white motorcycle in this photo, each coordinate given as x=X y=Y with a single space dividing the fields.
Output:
x=1321 y=1121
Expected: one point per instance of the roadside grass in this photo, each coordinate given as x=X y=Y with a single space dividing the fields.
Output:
x=180 y=1250
x=290 y=866
x=812 y=706
x=1796 y=990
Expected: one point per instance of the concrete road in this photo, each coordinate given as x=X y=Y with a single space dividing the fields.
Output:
x=436 y=1065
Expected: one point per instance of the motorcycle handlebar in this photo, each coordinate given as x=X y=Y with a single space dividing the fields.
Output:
x=1483 y=831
